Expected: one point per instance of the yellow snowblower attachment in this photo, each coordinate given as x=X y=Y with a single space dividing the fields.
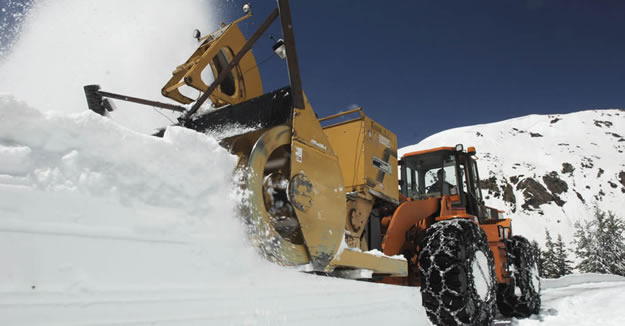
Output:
x=297 y=206
x=297 y=198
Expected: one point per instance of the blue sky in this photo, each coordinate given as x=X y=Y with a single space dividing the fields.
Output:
x=419 y=67
x=422 y=66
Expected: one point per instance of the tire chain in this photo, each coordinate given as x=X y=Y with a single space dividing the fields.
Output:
x=520 y=256
x=447 y=250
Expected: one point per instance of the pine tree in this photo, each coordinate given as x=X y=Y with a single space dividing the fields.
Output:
x=535 y=247
x=616 y=249
x=550 y=269
x=585 y=244
x=600 y=244
x=561 y=261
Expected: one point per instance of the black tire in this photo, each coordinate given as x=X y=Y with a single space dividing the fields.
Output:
x=521 y=298
x=456 y=267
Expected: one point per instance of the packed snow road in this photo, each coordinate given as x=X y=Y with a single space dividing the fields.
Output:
x=100 y=225
x=590 y=299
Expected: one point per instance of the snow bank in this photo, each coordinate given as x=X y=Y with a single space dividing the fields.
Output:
x=82 y=196
x=584 y=300
x=575 y=279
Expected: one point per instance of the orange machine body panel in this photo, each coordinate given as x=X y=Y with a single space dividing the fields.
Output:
x=413 y=217
x=407 y=215
x=496 y=235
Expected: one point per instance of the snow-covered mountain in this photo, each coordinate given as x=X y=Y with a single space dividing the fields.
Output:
x=547 y=171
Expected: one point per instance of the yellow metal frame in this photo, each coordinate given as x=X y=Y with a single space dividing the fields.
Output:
x=246 y=76
x=367 y=154
x=379 y=264
x=316 y=184
x=323 y=223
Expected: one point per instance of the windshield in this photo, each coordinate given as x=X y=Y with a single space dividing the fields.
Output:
x=430 y=175
x=442 y=179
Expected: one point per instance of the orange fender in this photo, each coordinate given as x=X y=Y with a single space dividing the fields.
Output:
x=404 y=217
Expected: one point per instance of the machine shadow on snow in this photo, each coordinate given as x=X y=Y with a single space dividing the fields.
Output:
x=501 y=320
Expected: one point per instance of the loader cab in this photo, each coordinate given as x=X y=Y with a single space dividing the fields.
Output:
x=444 y=171
x=429 y=174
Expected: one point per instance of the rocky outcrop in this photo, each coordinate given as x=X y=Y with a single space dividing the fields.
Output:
x=490 y=184
x=501 y=189
x=554 y=183
x=602 y=124
x=508 y=195
x=515 y=179
x=536 y=194
x=613 y=134
x=567 y=168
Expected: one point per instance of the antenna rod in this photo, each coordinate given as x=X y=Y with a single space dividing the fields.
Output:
x=291 y=55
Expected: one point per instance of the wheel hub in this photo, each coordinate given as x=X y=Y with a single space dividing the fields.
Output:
x=534 y=274
x=301 y=192
x=481 y=275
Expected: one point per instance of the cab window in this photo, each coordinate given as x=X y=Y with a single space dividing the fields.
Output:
x=412 y=183
x=442 y=179
x=475 y=181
